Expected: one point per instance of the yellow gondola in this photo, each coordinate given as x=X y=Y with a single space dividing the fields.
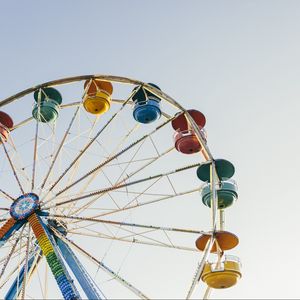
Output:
x=222 y=275
x=98 y=96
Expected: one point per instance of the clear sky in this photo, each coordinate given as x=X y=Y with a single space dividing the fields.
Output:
x=236 y=61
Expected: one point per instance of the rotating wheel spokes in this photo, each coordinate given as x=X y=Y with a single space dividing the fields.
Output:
x=88 y=179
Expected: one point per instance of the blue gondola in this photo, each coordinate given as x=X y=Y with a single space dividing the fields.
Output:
x=146 y=106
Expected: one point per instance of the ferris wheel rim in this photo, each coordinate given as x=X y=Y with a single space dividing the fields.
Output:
x=74 y=79
x=154 y=90
x=64 y=81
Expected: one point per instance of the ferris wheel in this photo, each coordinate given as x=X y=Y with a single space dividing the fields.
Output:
x=101 y=180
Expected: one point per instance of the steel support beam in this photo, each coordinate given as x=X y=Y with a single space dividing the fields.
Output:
x=79 y=271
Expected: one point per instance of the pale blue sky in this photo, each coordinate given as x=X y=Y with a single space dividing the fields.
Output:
x=236 y=61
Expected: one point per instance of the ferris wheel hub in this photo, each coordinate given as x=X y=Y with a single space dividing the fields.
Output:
x=24 y=206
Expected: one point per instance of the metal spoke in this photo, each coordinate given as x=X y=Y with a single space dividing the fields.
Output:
x=131 y=234
x=26 y=121
x=127 y=177
x=9 y=256
x=19 y=158
x=12 y=257
x=8 y=277
x=111 y=158
x=37 y=260
x=11 y=164
x=19 y=265
x=123 y=185
x=26 y=265
x=77 y=165
x=146 y=189
x=129 y=224
x=143 y=203
x=45 y=292
x=36 y=141
x=128 y=162
x=62 y=142
x=89 y=143
x=34 y=155
x=135 y=241
x=134 y=155
x=7 y=195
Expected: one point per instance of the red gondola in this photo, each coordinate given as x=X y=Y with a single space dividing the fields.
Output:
x=185 y=138
x=6 y=123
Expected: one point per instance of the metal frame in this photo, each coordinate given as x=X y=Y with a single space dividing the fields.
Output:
x=70 y=258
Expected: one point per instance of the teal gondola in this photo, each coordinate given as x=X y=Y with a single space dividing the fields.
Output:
x=227 y=194
x=46 y=108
